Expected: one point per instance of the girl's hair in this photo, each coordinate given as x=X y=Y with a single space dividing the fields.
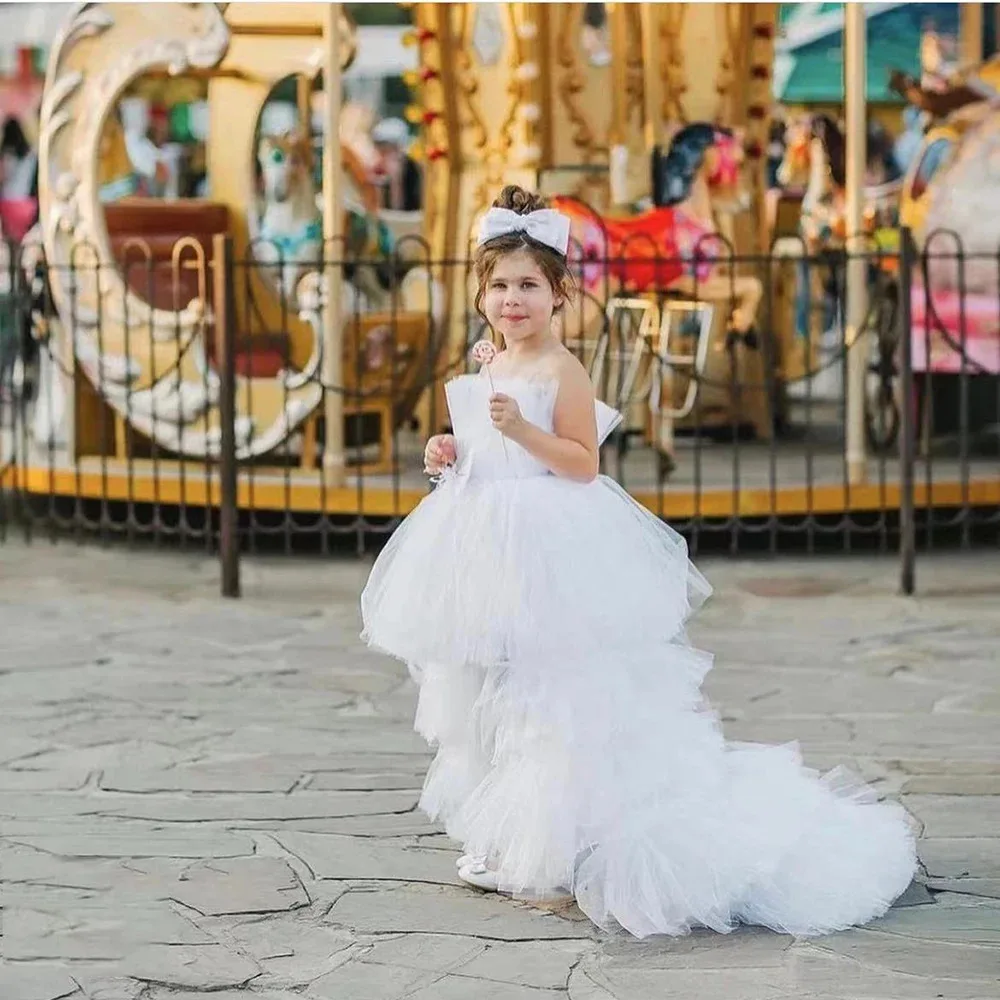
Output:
x=550 y=262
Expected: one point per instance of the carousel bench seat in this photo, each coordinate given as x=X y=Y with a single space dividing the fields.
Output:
x=144 y=233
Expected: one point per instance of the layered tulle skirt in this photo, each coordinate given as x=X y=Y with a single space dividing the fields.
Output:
x=544 y=622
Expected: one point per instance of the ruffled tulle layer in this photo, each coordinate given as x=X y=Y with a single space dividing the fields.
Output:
x=574 y=745
x=491 y=570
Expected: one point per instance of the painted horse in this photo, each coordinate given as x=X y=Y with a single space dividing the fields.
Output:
x=676 y=245
x=793 y=171
x=290 y=236
x=822 y=150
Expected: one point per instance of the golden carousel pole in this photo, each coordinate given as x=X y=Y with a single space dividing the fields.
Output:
x=855 y=92
x=652 y=106
x=333 y=447
x=303 y=99
x=970 y=34
x=652 y=97
x=618 y=133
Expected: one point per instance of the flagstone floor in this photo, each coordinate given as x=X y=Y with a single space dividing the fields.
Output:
x=208 y=798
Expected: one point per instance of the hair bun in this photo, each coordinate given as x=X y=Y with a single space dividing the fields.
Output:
x=517 y=199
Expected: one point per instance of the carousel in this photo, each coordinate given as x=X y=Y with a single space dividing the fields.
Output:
x=956 y=299
x=341 y=319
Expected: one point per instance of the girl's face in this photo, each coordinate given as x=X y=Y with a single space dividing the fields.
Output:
x=519 y=300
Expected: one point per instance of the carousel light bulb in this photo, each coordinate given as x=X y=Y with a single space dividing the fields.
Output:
x=528 y=155
x=414 y=114
x=526 y=71
x=529 y=112
x=528 y=30
x=417 y=36
x=414 y=77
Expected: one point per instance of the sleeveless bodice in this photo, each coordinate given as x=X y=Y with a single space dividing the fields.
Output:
x=483 y=452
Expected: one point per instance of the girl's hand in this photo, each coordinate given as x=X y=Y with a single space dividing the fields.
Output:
x=439 y=452
x=505 y=414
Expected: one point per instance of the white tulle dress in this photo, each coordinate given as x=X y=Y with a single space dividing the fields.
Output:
x=544 y=623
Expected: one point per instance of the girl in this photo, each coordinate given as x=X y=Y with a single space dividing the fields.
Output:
x=541 y=611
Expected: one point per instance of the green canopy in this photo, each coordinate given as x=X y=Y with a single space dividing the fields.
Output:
x=809 y=59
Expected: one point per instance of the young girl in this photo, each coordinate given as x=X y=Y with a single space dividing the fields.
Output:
x=541 y=611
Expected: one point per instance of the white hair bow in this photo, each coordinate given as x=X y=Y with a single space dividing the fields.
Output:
x=545 y=225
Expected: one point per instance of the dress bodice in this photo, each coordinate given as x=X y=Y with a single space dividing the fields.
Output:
x=483 y=452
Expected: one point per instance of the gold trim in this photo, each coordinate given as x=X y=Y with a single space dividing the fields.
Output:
x=545 y=124
x=278 y=30
x=573 y=81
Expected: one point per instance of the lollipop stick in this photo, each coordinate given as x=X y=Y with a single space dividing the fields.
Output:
x=503 y=440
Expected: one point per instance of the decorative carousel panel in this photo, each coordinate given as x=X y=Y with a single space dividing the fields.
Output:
x=100 y=52
x=577 y=109
x=136 y=310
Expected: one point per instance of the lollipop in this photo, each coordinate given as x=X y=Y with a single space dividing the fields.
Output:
x=483 y=352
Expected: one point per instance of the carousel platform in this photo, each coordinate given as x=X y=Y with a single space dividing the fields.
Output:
x=711 y=481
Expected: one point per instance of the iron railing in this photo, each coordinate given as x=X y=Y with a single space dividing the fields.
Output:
x=211 y=432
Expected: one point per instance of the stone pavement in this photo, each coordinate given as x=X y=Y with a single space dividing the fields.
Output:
x=206 y=798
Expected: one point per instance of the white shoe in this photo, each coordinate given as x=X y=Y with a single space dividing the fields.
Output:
x=470 y=859
x=477 y=874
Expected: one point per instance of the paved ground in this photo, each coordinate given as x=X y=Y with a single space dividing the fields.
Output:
x=216 y=798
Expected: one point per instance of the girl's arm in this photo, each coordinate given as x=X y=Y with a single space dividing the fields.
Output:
x=570 y=452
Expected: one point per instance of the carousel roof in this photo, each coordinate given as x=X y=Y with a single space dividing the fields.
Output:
x=809 y=54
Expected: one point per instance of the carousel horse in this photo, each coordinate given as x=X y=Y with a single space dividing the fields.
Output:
x=823 y=222
x=950 y=96
x=290 y=235
x=400 y=231
x=823 y=204
x=793 y=171
x=821 y=274
x=675 y=245
x=291 y=229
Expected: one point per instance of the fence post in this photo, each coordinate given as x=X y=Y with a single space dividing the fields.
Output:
x=225 y=362
x=907 y=430
x=10 y=348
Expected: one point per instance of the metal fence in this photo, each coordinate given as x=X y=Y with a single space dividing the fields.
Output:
x=206 y=425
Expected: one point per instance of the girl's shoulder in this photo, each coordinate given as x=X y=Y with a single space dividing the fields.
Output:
x=569 y=371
